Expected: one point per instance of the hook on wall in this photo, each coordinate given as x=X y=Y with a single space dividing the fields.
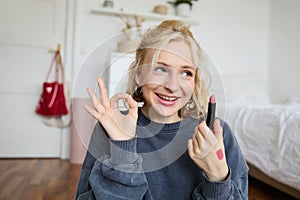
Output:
x=57 y=53
x=57 y=49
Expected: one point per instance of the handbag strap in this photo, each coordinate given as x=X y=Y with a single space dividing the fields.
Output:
x=58 y=67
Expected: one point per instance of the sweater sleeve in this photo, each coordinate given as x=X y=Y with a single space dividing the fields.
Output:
x=235 y=186
x=115 y=174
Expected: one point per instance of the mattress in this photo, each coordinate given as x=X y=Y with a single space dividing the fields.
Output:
x=269 y=136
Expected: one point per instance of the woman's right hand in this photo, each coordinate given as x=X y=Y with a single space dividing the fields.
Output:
x=119 y=126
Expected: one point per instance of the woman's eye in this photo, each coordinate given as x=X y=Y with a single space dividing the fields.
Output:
x=187 y=74
x=160 y=69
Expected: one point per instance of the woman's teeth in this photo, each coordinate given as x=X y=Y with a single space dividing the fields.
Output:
x=167 y=98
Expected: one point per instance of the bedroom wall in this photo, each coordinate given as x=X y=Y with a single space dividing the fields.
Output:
x=234 y=37
x=95 y=30
x=284 y=62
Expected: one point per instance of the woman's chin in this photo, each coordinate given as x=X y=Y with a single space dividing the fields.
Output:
x=163 y=114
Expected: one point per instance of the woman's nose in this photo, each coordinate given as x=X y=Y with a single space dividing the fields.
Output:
x=172 y=82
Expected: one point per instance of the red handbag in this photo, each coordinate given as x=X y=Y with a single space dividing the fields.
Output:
x=52 y=101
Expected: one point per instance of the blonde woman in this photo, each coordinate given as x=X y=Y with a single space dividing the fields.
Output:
x=161 y=149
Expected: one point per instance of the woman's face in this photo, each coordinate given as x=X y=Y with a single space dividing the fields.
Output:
x=170 y=83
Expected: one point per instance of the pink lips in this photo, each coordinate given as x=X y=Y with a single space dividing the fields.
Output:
x=166 y=100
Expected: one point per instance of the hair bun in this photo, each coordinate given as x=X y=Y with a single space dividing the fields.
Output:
x=176 y=25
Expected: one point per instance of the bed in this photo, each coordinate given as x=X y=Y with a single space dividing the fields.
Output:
x=269 y=137
x=268 y=134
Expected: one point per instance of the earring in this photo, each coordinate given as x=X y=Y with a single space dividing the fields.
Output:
x=138 y=95
x=189 y=109
x=190 y=105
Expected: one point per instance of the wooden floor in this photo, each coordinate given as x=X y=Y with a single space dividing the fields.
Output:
x=38 y=179
x=43 y=179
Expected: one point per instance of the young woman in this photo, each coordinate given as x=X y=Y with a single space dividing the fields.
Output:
x=163 y=149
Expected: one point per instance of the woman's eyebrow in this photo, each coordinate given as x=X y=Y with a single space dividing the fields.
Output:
x=162 y=63
x=184 y=66
x=189 y=67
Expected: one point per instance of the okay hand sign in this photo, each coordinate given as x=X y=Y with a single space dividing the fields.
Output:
x=119 y=126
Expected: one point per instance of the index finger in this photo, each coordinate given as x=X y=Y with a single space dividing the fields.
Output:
x=103 y=93
x=203 y=129
x=207 y=134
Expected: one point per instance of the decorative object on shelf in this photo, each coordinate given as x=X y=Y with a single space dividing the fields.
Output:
x=183 y=7
x=161 y=9
x=132 y=32
x=148 y=16
x=108 y=4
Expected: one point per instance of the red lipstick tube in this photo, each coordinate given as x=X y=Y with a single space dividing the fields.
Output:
x=210 y=117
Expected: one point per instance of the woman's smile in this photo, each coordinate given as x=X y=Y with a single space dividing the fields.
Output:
x=167 y=100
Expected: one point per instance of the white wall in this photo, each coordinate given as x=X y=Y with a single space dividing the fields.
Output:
x=95 y=30
x=284 y=62
x=234 y=37
x=235 y=33
x=27 y=31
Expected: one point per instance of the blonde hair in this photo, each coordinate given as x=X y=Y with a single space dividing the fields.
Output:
x=152 y=43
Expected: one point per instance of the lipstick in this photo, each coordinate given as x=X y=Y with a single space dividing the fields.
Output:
x=210 y=118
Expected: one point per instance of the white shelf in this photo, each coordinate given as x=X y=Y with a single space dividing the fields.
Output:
x=151 y=16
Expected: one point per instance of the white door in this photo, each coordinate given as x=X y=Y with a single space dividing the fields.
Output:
x=27 y=30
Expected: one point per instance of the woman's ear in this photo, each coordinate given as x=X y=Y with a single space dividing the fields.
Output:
x=138 y=78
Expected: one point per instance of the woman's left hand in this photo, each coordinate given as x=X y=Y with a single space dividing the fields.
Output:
x=207 y=151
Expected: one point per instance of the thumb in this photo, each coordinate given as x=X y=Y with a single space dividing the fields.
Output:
x=133 y=106
x=218 y=131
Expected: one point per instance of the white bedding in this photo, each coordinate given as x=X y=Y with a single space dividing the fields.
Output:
x=269 y=136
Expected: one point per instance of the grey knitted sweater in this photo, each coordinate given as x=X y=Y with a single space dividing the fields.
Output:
x=156 y=165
